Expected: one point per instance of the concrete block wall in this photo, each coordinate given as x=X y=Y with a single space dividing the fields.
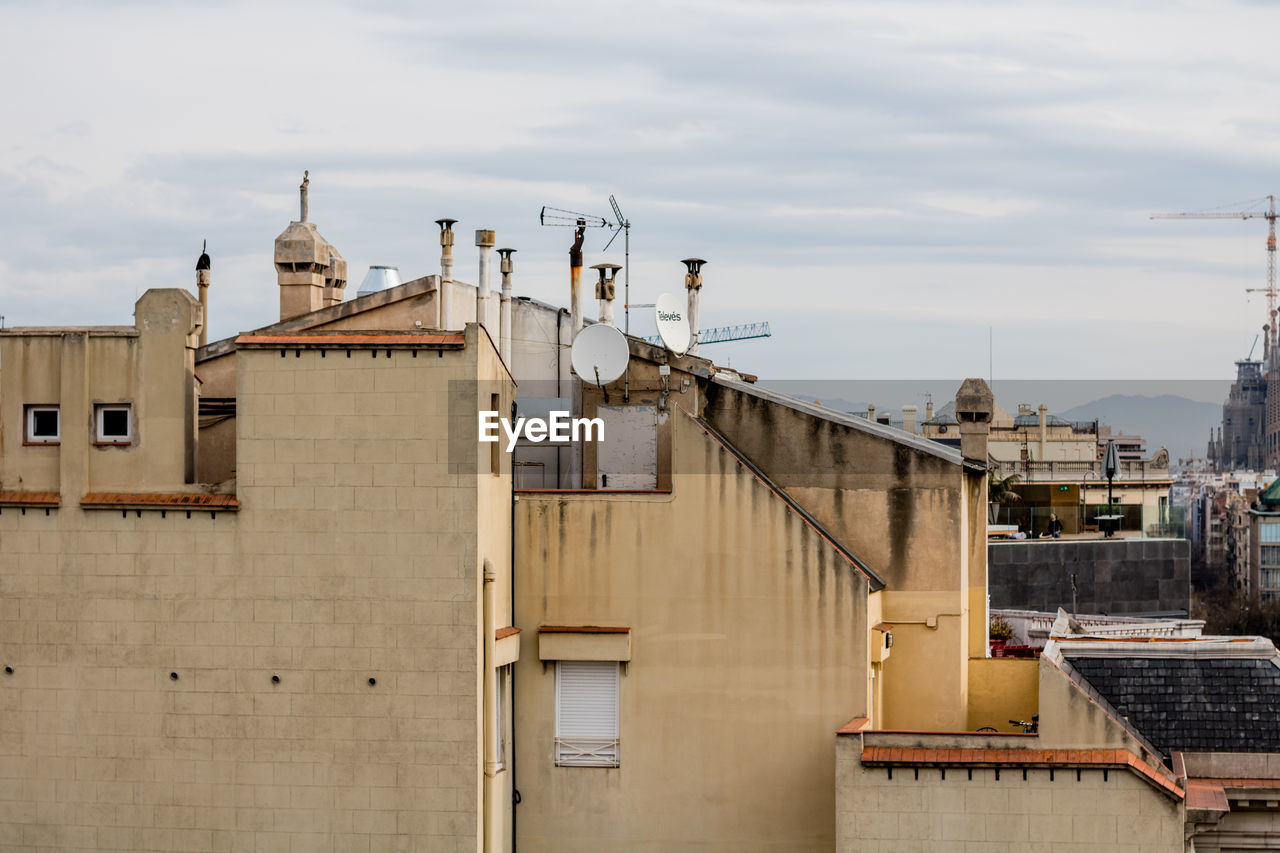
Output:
x=353 y=557
x=905 y=814
x=1112 y=576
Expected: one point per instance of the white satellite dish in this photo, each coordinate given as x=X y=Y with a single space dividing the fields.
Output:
x=599 y=354
x=673 y=323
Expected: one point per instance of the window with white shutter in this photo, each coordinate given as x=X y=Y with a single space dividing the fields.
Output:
x=587 y=713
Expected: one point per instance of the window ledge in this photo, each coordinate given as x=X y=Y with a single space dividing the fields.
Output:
x=588 y=642
x=112 y=443
x=41 y=443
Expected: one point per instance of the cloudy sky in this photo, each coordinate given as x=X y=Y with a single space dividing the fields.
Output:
x=885 y=183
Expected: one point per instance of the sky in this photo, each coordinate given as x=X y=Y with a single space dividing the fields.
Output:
x=902 y=190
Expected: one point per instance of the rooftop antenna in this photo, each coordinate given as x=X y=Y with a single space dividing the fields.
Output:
x=600 y=355
x=569 y=219
x=624 y=225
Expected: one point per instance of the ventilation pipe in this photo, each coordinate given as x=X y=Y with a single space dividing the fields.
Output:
x=693 y=282
x=446 y=269
x=506 y=267
x=575 y=278
x=928 y=410
x=485 y=243
x=605 y=290
x=1044 y=430
x=909 y=419
x=203 y=266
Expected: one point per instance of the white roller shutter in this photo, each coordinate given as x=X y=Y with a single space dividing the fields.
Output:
x=587 y=713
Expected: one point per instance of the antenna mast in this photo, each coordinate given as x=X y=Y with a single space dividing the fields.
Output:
x=625 y=225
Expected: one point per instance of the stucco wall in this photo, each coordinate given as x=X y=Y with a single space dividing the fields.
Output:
x=1112 y=576
x=1118 y=813
x=749 y=647
x=908 y=514
x=356 y=554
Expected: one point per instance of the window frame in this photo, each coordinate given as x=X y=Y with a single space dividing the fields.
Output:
x=29 y=436
x=573 y=750
x=113 y=441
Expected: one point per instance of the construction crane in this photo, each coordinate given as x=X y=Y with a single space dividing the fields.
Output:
x=724 y=334
x=1270 y=215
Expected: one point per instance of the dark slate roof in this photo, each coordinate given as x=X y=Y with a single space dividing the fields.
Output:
x=1193 y=704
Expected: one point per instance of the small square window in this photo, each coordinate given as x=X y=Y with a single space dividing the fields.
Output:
x=43 y=426
x=114 y=425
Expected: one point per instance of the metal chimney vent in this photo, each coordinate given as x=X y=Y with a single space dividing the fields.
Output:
x=379 y=278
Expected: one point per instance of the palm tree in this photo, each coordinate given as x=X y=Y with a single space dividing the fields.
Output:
x=1000 y=491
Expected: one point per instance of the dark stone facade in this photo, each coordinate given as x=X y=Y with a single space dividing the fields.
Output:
x=1114 y=577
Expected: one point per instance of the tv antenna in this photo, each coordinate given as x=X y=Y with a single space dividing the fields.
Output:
x=623 y=225
x=570 y=219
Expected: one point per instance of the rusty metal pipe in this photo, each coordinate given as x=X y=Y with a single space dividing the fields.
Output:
x=575 y=278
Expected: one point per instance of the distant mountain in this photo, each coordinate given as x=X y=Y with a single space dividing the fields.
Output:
x=1176 y=423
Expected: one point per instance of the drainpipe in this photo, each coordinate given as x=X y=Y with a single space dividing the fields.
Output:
x=490 y=700
x=605 y=290
x=575 y=278
x=506 y=267
x=693 y=282
x=484 y=242
x=203 y=266
x=446 y=268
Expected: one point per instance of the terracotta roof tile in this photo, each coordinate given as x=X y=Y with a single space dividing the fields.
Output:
x=854 y=726
x=352 y=339
x=971 y=757
x=15 y=498
x=508 y=631
x=158 y=500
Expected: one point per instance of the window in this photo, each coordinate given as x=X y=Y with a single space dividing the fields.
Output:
x=114 y=425
x=1270 y=532
x=1270 y=555
x=1270 y=579
x=43 y=425
x=587 y=713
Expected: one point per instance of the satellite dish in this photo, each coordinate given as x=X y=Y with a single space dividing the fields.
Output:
x=599 y=354
x=673 y=324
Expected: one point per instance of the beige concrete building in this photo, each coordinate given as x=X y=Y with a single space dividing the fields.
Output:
x=283 y=638
x=273 y=593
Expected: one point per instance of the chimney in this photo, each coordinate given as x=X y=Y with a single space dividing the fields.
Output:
x=309 y=270
x=928 y=410
x=484 y=242
x=1044 y=430
x=605 y=290
x=693 y=282
x=203 y=266
x=446 y=270
x=909 y=419
x=506 y=267
x=575 y=278
x=975 y=404
x=871 y=412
